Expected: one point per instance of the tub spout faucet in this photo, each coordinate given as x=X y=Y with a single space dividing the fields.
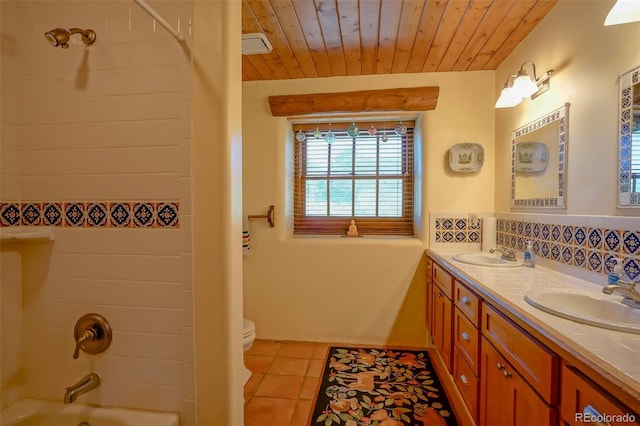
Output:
x=88 y=382
x=507 y=253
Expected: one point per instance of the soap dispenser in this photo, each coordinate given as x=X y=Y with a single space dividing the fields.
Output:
x=529 y=255
x=618 y=271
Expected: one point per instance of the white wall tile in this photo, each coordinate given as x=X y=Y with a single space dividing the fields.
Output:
x=145 y=370
x=104 y=123
x=101 y=187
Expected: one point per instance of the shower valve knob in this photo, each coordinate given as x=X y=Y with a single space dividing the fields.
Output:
x=89 y=335
x=92 y=334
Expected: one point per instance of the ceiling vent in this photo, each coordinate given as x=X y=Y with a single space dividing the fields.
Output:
x=255 y=44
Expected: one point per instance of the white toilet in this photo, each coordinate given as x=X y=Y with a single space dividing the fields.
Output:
x=248 y=336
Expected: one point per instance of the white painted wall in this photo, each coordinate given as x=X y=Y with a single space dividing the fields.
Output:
x=366 y=290
x=587 y=58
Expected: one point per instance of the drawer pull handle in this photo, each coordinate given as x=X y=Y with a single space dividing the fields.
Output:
x=500 y=366
x=465 y=336
x=464 y=380
x=506 y=374
x=592 y=412
x=439 y=294
x=465 y=300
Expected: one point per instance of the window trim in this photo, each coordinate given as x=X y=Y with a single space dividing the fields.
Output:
x=338 y=225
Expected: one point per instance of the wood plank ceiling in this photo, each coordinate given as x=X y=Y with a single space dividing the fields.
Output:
x=324 y=38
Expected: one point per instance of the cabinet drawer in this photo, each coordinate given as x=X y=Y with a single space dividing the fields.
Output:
x=466 y=338
x=537 y=365
x=467 y=302
x=443 y=279
x=580 y=401
x=467 y=383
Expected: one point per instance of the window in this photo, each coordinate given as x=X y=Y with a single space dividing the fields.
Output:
x=362 y=178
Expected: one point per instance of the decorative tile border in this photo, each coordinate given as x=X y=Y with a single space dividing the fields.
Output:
x=589 y=248
x=628 y=81
x=91 y=214
x=457 y=230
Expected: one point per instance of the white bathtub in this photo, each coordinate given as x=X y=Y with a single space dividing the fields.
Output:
x=33 y=412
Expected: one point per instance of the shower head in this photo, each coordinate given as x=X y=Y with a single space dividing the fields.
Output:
x=60 y=36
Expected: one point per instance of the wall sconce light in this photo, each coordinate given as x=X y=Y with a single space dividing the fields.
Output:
x=522 y=85
x=623 y=12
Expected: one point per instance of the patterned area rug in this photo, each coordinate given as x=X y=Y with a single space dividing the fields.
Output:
x=380 y=387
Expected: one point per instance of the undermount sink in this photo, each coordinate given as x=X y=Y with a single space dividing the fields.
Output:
x=486 y=259
x=587 y=308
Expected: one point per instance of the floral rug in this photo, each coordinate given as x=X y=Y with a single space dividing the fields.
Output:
x=380 y=387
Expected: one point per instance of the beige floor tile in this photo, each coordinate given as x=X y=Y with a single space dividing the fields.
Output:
x=269 y=411
x=321 y=351
x=309 y=388
x=251 y=385
x=280 y=386
x=289 y=366
x=264 y=347
x=297 y=349
x=257 y=363
x=301 y=413
x=315 y=367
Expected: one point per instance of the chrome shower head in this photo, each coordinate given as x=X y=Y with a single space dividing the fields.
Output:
x=60 y=36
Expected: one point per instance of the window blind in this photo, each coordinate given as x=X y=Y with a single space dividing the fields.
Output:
x=360 y=178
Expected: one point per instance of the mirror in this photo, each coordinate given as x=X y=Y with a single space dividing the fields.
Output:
x=629 y=143
x=539 y=160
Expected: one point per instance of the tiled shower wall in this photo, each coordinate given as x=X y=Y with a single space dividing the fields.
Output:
x=100 y=136
x=585 y=245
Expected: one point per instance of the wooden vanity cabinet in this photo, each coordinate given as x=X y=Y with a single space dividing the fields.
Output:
x=466 y=347
x=442 y=314
x=505 y=397
x=504 y=375
x=582 y=402
x=429 y=297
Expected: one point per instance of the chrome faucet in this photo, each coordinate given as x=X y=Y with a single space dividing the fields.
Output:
x=88 y=382
x=628 y=290
x=507 y=253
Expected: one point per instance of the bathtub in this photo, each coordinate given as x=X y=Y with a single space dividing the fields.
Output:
x=33 y=412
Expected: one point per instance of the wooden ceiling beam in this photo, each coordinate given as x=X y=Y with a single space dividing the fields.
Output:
x=403 y=99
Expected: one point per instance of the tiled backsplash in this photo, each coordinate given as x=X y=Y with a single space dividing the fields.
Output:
x=94 y=214
x=457 y=230
x=589 y=243
x=592 y=248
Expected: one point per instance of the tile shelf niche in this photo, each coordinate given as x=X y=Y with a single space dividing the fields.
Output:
x=26 y=233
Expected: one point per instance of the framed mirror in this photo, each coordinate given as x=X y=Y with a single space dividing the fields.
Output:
x=629 y=139
x=539 y=161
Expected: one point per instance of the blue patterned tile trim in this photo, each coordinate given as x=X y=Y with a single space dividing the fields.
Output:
x=92 y=214
x=589 y=248
x=457 y=230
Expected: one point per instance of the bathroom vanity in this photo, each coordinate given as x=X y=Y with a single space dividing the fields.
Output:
x=513 y=364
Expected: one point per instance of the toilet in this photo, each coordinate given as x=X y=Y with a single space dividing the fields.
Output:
x=248 y=336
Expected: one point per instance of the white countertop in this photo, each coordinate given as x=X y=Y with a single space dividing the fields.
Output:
x=616 y=353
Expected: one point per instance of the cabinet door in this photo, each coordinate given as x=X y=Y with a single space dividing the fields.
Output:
x=496 y=405
x=442 y=329
x=582 y=403
x=506 y=399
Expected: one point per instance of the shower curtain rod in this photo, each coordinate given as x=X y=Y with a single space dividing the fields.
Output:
x=160 y=20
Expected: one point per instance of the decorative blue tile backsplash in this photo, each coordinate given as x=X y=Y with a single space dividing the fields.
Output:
x=591 y=248
x=457 y=230
x=92 y=214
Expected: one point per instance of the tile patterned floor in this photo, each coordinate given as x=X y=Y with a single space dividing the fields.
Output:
x=283 y=382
